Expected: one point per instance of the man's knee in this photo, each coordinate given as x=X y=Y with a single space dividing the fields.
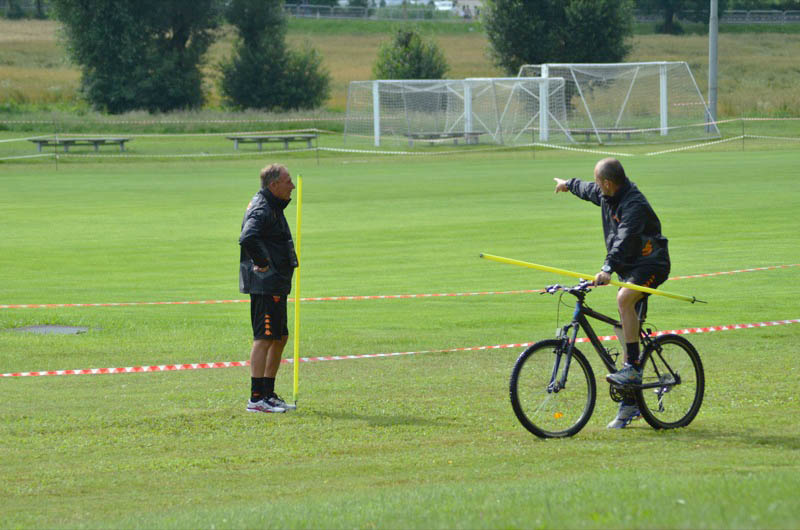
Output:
x=627 y=298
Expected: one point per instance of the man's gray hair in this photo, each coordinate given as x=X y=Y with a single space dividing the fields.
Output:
x=271 y=173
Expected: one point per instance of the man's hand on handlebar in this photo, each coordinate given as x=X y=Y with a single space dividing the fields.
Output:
x=602 y=278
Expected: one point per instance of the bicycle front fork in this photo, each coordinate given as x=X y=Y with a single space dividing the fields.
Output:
x=567 y=337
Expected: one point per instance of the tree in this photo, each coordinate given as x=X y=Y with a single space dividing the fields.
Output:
x=139 y=55
x=409 y=56
x=672 y=10
x=551 y=31
x=263 y=73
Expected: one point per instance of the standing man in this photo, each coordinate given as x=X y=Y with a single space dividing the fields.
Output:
x=636 y=251
x=266 y=265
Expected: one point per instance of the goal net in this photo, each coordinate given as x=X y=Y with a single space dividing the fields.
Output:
x=508 y=111
x=403 y=109
x=516 y=110
x=630 y=102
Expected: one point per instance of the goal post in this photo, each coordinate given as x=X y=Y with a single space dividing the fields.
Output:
x=646 y=101
x=513 y=110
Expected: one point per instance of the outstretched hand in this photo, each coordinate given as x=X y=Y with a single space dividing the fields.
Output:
x=561 y=185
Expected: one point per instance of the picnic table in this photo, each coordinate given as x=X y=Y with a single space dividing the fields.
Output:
x=262 y=139
x=68 y=142
x=469 y=137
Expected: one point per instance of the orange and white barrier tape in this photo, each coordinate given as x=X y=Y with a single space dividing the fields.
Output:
x=231 y=364
x=359 y=297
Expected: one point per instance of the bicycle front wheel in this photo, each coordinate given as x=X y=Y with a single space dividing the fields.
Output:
x=546 y=411
x=675 y=365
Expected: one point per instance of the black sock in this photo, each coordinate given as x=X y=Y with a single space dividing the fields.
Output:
x=632 y=349
x=256 y=388
x=269 y=386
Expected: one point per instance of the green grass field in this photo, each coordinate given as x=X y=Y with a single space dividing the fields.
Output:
x=415 y=441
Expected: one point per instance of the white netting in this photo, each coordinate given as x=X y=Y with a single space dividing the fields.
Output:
x=498 y=110
x=631 y=102
x=405 y=109
x=511 y=110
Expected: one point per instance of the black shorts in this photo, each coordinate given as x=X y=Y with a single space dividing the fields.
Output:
x=268 y=315
x=650 y=277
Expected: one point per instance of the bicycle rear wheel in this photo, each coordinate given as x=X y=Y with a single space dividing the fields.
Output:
x=674 y=362
x=543 y=411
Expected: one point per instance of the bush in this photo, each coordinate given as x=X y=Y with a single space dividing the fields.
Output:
x=139 y=55
x=408 y=56
x=263 y=74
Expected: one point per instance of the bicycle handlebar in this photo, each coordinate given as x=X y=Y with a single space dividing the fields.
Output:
x=583 y=287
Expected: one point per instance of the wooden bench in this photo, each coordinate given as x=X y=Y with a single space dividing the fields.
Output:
x=68 y=142
x=469 y=137
x=588 y=133
x=262 y=139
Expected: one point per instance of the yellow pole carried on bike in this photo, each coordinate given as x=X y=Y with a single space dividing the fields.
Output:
x=589 y=277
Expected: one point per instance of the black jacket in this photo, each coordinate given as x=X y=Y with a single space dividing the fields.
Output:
x=266 y=241
x=632 y=229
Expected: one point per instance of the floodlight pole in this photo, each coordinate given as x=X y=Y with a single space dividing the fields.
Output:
x=713 y=37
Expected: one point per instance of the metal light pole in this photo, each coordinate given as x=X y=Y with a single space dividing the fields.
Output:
x=713 y=37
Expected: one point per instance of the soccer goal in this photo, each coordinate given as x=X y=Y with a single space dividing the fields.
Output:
x=514 y=110
x=507 y=111
x=630 y=102
x=410 y=109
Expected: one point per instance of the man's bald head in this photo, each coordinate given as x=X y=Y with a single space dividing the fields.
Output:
x=610 y=169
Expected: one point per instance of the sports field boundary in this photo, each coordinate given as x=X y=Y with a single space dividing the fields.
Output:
x=235 y=364
x=361 y=297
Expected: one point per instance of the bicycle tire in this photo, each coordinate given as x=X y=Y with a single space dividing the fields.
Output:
x=673 y=405
x=551 y=414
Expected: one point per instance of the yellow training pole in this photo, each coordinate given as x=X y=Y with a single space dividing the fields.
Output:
x=296 y=363
x=589 y=277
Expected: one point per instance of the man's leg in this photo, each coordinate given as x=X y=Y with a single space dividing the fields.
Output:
x=630 y=373
x=273 y=356
x=261 y=387
x=626 y=302
x=258 y=357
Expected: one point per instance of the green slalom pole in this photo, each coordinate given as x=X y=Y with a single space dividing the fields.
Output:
x=589 y=277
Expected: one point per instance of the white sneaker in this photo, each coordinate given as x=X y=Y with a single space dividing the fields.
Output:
x=276 y=399
x=626 y=414
x=264 y=405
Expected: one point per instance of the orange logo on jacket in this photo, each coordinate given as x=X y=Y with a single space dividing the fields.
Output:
x=648 y=248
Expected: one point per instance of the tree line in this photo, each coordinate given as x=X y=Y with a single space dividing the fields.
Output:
x=148 y=54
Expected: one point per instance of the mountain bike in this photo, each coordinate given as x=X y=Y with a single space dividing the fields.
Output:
x=553 y=389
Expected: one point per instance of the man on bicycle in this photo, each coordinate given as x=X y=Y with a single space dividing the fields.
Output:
x=637 y=252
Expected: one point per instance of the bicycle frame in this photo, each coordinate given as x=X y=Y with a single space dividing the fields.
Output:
x=569 y=334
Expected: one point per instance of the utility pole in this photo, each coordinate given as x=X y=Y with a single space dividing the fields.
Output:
x=713 y=37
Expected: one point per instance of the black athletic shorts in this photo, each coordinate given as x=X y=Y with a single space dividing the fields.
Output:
x=268 y=315
x=645 y=276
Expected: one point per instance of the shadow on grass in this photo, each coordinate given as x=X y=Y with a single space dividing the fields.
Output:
x=385 y=420
x=780 y=441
